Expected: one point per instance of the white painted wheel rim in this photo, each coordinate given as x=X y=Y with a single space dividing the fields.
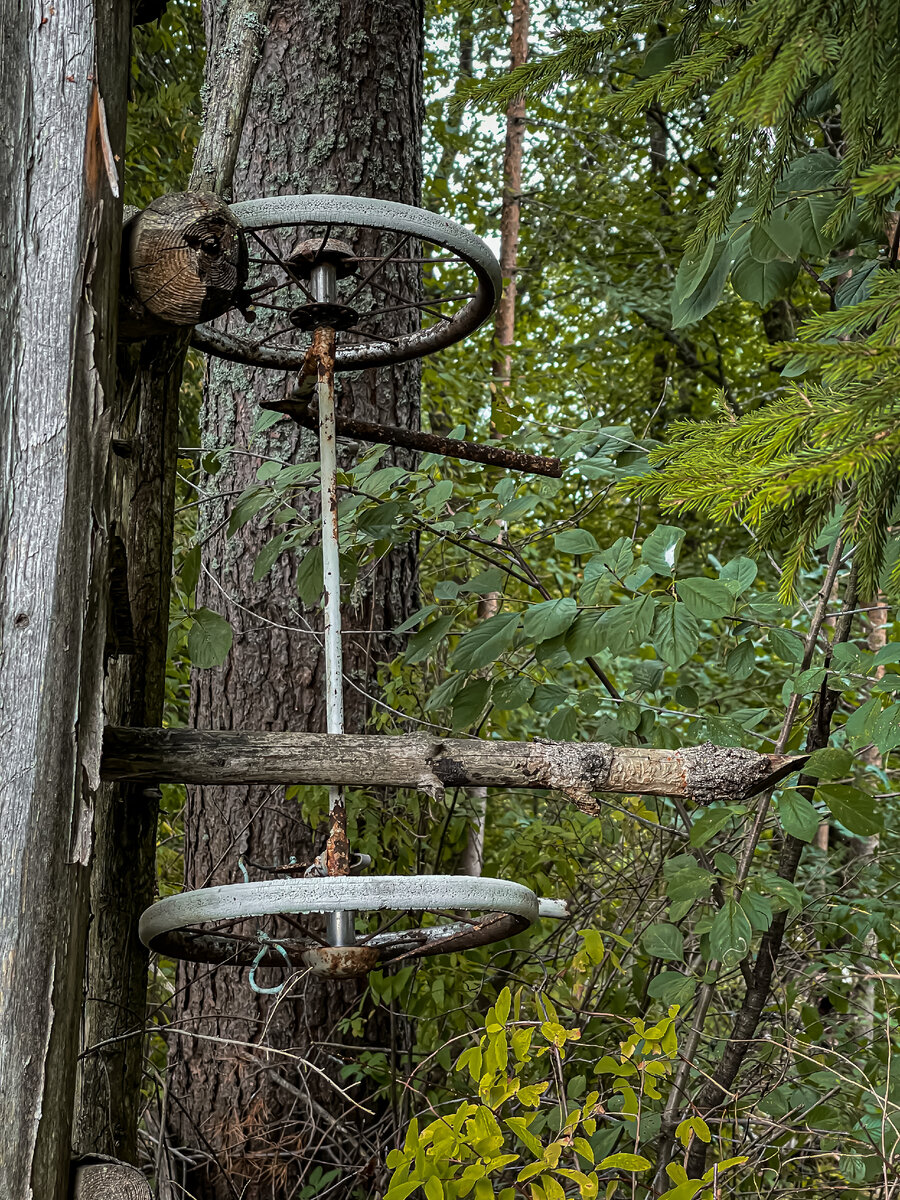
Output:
x=167 y=926
x=273 y=212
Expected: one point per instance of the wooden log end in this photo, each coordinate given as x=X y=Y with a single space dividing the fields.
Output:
x=100 y=1178
x=184 y=261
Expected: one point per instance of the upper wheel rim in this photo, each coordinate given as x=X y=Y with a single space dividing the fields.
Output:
x=274 y=212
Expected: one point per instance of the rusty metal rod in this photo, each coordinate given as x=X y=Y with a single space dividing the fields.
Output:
x=303 y=413
x=323 y=282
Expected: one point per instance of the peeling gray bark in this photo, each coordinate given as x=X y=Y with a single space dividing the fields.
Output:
x=142 y=502
x=63 y=85
x=578 y=769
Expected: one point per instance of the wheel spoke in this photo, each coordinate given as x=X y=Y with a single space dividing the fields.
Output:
x=274 y=334
x=381 y=262
x=284 y=266
x=380 y=312
x=379 y=287
x=426 y=261
x=376 y=337
x=275 y=307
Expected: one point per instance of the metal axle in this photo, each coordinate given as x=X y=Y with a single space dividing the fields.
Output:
x=340 y=925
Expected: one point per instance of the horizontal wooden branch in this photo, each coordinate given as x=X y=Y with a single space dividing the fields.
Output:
x=578 y=769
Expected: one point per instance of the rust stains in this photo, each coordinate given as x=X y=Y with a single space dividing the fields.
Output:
x=337 y=848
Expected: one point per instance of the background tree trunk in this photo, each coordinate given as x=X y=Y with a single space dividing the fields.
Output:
x=472 y=858
x=336 y=107
x=63 y=80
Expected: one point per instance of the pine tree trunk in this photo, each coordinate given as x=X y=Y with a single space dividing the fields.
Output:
x=63 y=80
x=336 y=107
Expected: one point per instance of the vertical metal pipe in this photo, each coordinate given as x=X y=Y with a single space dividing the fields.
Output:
x=340 y=925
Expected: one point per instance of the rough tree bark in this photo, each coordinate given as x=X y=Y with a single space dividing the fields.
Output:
x=336 y=107
x=144 y=429
x=63 y=81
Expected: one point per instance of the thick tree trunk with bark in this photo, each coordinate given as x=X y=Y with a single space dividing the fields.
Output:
x=63 y=79
x=336 y=107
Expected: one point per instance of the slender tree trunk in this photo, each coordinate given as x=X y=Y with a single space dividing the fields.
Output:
x=510 y=212
x=472 y=857
x=63 y=80
x=336 y=107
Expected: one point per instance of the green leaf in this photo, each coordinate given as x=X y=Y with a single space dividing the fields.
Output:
x=740 y=660
x=576 y=541
x=309 y=576
x=861 y=724
x=209 y=639
x=798 y=817
x=758 y=910
x=468 y=704
x=671 y=987
x=778 y=238
x=787 y=646
x=485 y=582
x=549 y=619
x=421 y=644
x=661 y=548
x=587 y=636
x=484 y=644
x=248 y=505
x=624 y=1162
x=265 y=560
x=700 y=280
x=738 y=575
x=689 y=883
x=858 y=286
x=856 y=810
x=416 y=618
x=809 y=216
x=190 y=571
x=659 y=55
x=762 y=282
x=730 y=934
x=828 y=763
x=676 y=634
x=563 y=725
x=266 y=419
x=628 y=625
x=513 y=693
x=663 y=940
x=709 y=823
x=706 y=598
x=433 y=1188
x=444 y=692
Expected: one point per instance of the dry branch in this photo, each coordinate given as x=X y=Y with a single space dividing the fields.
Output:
x=578 y=769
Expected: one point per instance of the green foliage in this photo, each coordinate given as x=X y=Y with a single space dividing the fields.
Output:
x=662 y=365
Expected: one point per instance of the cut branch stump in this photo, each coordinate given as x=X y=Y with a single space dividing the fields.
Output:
x=184 y=260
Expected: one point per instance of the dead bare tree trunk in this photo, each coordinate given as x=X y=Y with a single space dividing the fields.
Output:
x=472 y=857
x=336 y=107
x=145 y=441
x=63 y=83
